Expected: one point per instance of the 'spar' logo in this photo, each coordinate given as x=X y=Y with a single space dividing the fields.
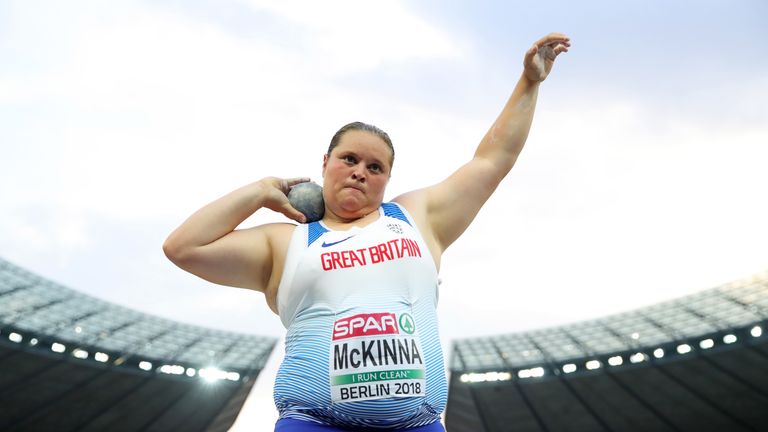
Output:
x=372 y=324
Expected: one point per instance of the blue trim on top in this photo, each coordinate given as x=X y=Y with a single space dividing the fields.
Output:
x=393 y=210
x=314 y=231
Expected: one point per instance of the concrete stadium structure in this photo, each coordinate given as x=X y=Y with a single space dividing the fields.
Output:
x=71 y=362
x=697 y=363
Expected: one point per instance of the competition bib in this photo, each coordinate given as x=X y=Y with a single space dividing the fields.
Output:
x=376 y=356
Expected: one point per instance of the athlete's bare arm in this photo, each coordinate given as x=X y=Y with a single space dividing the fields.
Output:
x=443 y=211
x=208 y=245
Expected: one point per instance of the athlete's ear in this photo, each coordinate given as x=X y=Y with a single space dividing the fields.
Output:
x=325 y=163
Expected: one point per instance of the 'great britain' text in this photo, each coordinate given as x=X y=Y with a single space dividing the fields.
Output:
x=387 y=251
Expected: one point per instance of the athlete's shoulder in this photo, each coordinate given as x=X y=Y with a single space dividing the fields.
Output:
x=278 y=234
x=278 y=228
x=414 y=202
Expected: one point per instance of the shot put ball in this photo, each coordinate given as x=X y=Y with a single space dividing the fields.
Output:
x=307 y=198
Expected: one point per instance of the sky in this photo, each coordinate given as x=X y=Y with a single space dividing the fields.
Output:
x=643 y=178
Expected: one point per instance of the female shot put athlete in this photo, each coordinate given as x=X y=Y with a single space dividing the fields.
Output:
x=357 y=290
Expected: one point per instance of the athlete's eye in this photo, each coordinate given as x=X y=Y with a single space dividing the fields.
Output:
x=375 y=168
x=349 y=159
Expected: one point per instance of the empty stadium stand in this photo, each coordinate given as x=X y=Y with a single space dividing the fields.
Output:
x=71 y=362
x=697 y=363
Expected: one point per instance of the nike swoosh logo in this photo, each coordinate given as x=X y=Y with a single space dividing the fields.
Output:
x=336 y=242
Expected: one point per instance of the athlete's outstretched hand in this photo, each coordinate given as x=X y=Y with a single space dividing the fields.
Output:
x=541 y=56
x=276 y=196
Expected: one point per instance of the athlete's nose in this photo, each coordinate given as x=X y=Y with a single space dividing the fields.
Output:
x=358 y=175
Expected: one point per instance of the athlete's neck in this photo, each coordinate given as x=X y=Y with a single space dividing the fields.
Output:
x=339 y=223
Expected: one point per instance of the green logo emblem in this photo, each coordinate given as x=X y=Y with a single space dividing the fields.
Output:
x=407 y=324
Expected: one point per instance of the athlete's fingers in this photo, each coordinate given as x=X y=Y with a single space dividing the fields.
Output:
x=552 y=38
x=296 y=180
x=292 y=213
x=560 y=48
x=285 y=185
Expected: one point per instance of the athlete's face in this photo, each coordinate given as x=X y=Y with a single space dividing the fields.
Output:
x=356 y=174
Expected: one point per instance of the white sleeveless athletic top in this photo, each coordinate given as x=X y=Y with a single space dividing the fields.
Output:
x=362 y=347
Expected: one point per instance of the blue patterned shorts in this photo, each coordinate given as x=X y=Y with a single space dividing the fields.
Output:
x=293 y=425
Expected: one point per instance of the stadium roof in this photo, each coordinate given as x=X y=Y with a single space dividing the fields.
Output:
x=35 y=308
x=729 y=306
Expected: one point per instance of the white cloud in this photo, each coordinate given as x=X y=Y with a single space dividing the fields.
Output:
x=352 y=36
x=147 y=94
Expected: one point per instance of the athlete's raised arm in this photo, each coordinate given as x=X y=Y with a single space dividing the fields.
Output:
x=446 y=209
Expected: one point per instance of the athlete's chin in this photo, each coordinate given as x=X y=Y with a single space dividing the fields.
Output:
x=352 y=195
x=355 y=209
x=353 y=213
x=352 y=203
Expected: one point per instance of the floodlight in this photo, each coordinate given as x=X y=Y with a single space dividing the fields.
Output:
x=497 y=376
x=211 y=374
x=172 y=369
x=536 y=372
x=593 y=364
x=470 y=377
